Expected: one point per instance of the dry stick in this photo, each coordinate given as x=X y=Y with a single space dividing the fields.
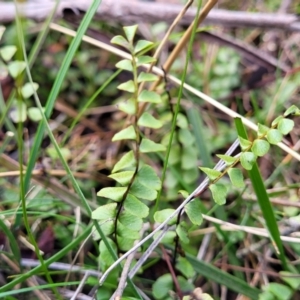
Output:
x=30 y=281
x=185 y=38
x=172 y=272
x=181 y=44
x=125 y=11
x=53 y=185
x=165 y=38
x=123 y=280
x=80 y=286
x=147 y=252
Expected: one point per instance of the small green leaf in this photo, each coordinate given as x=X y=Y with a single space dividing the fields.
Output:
x=266 y=296
x=161 y=215
x=182 y=233
x=212 y=174
x=185 y=137
x=127 y=106
x=127 y=86
x=125 y=243
x=190 y=176
x=219 y=193
x=15 y=68
x=262 y=130
x=142 y=191
x=104 y=212
x=142 y=45
x=168 y=238
x=185 y=284
x=130 y=32
x=130 y=221
x=28 y=89
x=125 y=64
x=236 y=177
x=162 y=286
x=150 y=146
x=276 y=121
x=147 y=120
x=113 y=193
x=136 y=207
x=229 y=160
x=120 y=40
x=280 y=291
x=144 y=59
x=288 y=278
x=105 y=257
x=188 y=158
x=274 y=136
x=18 y=112
x=125 y=134
x=293 y=110
x=2 y=29
x=260 y=147
x=147 y=176
x=122 y=177
x=182 y=122
x=65 y=152
x=35 y=114
x=285 y=126
x=144 y=77
x=184 y=193
x=126 y=162
x=107 y=228
x=245 y=144
x=149 y=96
x=125 y=232
x=175 y=155
x=247 y=160
x=185 y=267
x=7 y=52
x=193 y=211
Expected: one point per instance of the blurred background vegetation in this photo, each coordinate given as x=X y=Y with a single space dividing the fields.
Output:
x=260 y=92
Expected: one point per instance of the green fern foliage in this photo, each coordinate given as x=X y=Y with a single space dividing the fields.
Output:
x=136 y=182
x=281 y=126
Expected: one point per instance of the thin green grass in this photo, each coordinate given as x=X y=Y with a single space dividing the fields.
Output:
x=264 y=201
x=20 y=143
x=35 y=271
x=57 y=86
x=89 y=103
x=65 y=164
x=201 y=142
x=177 y=108
x=39 y=287
x=214 y=274
x=12 y=241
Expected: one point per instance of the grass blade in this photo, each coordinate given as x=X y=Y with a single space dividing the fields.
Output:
x=56 y=87
x=214 y=274
x=196 y=122
x=52 y=259
x=263 y=199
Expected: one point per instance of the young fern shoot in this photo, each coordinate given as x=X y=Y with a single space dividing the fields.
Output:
x=137 y=182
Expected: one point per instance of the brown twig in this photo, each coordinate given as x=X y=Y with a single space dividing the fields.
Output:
x=181 y=44
x=125 y=11
x=172 y=272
